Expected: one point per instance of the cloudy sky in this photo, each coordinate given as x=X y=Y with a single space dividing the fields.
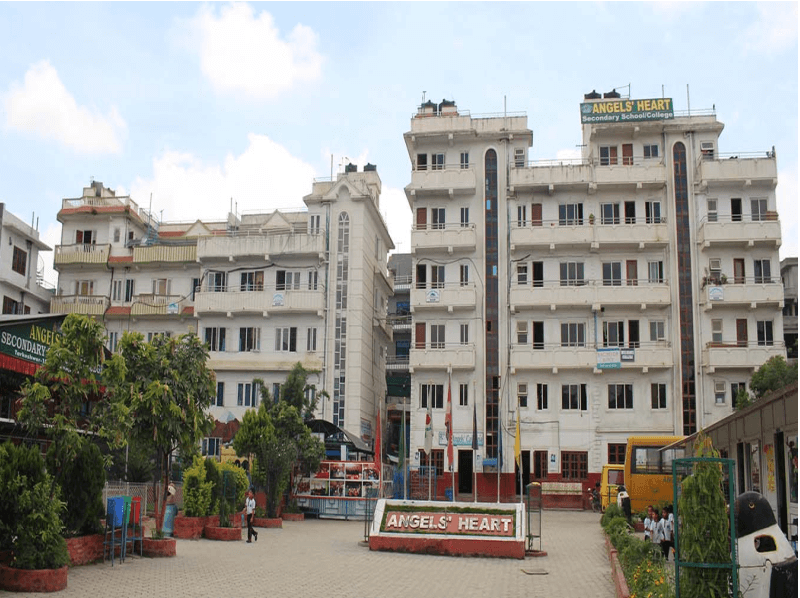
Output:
x=200 y=103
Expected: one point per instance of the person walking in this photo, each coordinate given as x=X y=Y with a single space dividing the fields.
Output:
x=250 y=508
x=656 y=529
x=666 y=532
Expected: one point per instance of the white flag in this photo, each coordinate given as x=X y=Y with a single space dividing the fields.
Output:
x=429 y=430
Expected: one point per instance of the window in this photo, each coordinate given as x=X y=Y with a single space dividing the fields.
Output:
x=655 y=272
x=719 y=392
x=161 y=286
x=711 y=208
x=276 y=391
x=633 y=333
x=657 y=331
x=437 y=277
x=313 y=280
x=87 y=237
x=620 y=396
x=612 y=274
x=522 y=333
x=286 y=280
x=464 y=160
x=540 y=465
x=286 y=339
x=658 y=396
x=211 y=446
x=313 y=224
x=113 y=339
x=616 y=453
x=522 y=394
x=538 y=335
x=652 y=212
x=116 y=235
x=573 y=334
x=215 y=339
x=217 y=282
x=463 y=394
x=541 y=397
x=437 y=336
x=650 y=151
x=630 y=212
x=18 y=261
x=464 y=217
x=437 y=161
x=84 y=287
x=247 y=395
x=736 y=209
x=463 y=274
x=716 y=331
x=220 y=394
x=422 y=278
x=433 y=394
x=627 y=154
x=522 y=216
x=758 y=209
x=762 y=270
x=152 y=335
x=707 y=150
x=436 y=461
x=573 y=397
x=614 y=334
x=574 y=465
x=608 y=155
x=116 y=290
x=437 y=218
x=735 y=388
x=571 y=274
x=609 y=213
x=422 y=161
x=249 y=339
x=252 y=281
x=764 y=333
x=519 y=157
x=570 y=214
x=464 y=334
x=522 y=274
x=538 y=274
x=311 y=339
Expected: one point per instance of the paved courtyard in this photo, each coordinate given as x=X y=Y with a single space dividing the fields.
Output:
x=323 y=558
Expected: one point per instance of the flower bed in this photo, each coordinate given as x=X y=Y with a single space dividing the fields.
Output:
x=188 y=528
x=164 y=547
x=226 y=534
x=33 y=580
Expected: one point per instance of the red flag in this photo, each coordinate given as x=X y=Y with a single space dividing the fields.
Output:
x=378 y=447
x=448 y=426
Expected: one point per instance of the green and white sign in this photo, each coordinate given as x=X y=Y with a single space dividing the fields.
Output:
x=27 y=341
x=619 y=111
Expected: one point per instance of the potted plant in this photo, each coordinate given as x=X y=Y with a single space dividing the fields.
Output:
x=591 y=218
x=233 y=484
x=159 y=545
x=197 y=503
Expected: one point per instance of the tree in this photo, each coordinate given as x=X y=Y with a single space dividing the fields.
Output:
x=76 y=393
x=773 y=375
x=296 y=391
x=169 y=388
x=277 y=437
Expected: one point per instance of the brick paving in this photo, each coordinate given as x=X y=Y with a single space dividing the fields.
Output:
x=323 y=558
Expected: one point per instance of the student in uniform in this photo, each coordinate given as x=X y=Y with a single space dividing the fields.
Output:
x=648 y=522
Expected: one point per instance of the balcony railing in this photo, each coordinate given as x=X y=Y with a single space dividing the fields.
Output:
x=255 y=299
x=442 y=355
x=746 y=166
x=397 y=362
x=81 y=253
x=588 y=231
x=738 y=229
x=587 y=292
x=264 y=245
x=624 y=171
x=165 y=253
x=741 y=354
x=440 y=179
x=739 y=291
x=400 y=322
x=148 y=304
x=450 y=236
x=450 y=296
x=89 y=305
x=584 y=355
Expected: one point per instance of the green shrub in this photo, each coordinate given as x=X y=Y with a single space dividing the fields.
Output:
x=232 y=497
x=612 y=512
x=196 y=490
x=14 y=461
x=213 y=476
x=649 y=580
x=81 y=478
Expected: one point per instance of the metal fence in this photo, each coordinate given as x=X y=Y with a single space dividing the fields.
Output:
x=141 y=490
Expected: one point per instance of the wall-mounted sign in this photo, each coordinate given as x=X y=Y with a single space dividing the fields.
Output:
x=460 y=439
x=716 y=294
x=432 y=296
x=172 y=308
x=278 y=300
x=608 y=359
x=27 y=341
x=627 y=355
x=452 y=523
x=618 y=110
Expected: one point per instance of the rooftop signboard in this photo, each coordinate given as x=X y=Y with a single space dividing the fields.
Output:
x=620 y=111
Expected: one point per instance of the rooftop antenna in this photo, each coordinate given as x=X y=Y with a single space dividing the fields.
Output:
x=662 y=91
x=423 y=96
x=688 y=103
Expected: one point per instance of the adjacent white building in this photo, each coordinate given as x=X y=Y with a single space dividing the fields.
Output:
x=22 y=285
x=630 y=291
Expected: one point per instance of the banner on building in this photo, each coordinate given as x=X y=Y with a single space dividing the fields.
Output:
x=28 y=341
x=619 y=110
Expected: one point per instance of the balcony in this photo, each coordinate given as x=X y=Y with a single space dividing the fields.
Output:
x=382 y=323
x=588 y=293
x=263 y=360
x=443 y=237
x=743 y=293
x=441 y=181
x=254 y=244
x=148 y=304
x=400 y=323
x=442 y=356
x=266 y=301
x=88 y=305
x=164 y=254
x=589 y=233
x=553 y=356
x=741 y=231
x=583 y=174
x=397 y=363
x=452 y=296
x=746 y=169
x=740 y=355
x=81 y=253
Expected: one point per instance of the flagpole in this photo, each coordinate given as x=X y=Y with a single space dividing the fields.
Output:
x=449 y=427
x=474 y=444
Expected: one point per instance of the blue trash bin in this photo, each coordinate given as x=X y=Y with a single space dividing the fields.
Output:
x=115 y=507
x=448 y=494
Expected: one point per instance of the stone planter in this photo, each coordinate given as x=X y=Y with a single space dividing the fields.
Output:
x=188 y=528
x=33 y=580
x=293 y=516
x=85 y=549
x=264 y=522
x=159 y=548
x=225 y=534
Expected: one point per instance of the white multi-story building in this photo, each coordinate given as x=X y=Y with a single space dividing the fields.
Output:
x=627 y=292
x=22 y=286
x=265 y=291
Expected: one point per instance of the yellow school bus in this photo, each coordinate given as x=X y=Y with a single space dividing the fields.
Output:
x=612 y=477
x=648 y=469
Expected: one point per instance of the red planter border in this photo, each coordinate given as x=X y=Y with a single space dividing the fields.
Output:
x=620 y=583
x=188 y=528
x=264 y=522
x=165 y=547
x=85 y=549
x=33 y=580
x=293 y=516
x=226 y=534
